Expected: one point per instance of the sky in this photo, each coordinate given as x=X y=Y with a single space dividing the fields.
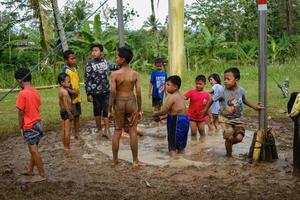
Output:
x=143 y=7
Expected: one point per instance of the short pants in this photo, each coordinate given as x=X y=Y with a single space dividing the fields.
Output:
x=64 y=114
x=32 y=136
x=100 y=102
x=157 y=102
x=231 y=127
x=178 y=128
x=126 y=112
x=76 y=109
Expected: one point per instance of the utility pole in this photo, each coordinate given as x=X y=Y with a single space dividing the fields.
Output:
x=121 y=23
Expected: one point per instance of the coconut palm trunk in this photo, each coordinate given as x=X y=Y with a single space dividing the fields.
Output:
x=59 y=25
x=176 y=37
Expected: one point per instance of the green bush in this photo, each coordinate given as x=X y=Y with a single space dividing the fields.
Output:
x=227 y=54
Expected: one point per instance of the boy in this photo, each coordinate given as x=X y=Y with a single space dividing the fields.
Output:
x=65 y=104
x=97 y=86
x=157 y=84
x=177 y=122
x=231 y=109
x=74 y=89
x=127 y=106
x=28 y=104
x=199 y=104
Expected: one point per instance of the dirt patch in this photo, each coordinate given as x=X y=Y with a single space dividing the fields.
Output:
x=86 y=173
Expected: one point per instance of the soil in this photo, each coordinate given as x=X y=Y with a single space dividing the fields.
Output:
x=86 y=171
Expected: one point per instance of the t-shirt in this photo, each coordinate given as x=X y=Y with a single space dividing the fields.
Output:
x=96 y=76
x=29 y=102
x=198 y=101
x=231 y=103
x=75 y=83
x=217 y=91
x=158 y=81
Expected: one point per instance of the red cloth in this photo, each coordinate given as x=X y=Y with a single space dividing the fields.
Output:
x=29 y=102
x=198 y=101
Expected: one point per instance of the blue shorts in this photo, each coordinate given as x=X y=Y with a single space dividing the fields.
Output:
x=178 y=128
x=32 y=136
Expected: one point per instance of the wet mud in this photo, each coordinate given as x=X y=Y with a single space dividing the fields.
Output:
x=202 y=171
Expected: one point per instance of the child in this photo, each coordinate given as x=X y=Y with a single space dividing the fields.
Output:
x=97 y=86
x=231 y=109
x=157 y=84
x=127 y=106
x=199 y=105
x=177 y=121
x=74 y=89
x=28 y=104
x=65 y=104
x=216 y=90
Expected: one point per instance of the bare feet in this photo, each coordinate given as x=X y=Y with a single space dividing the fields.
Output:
x=106 y=133
x=138 y=164
x=38 y=178
x=173 y=153
x=27 y=172
x=228 y=146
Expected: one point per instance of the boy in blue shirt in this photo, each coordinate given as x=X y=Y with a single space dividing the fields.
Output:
x=157 y=84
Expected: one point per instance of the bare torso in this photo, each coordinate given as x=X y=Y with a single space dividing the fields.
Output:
x=125 y=82
x=176 y=104
x=65 y=101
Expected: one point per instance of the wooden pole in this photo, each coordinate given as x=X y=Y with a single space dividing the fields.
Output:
x=121 y=23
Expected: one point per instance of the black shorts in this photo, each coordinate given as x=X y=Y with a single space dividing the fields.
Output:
x=157 y=102
x=76 y=109
x=100 y=102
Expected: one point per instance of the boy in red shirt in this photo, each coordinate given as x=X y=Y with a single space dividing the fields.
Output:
x=199 y=105
x=28 y=104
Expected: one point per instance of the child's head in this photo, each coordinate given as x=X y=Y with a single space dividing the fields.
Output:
x=63 y=80
x=159 y=64
x=200 y=82
x=124 y=56
x=23 y=75
x=231 y=77
x=97 y=50
x=173 y=84
x=214 y=79
x=70 y=58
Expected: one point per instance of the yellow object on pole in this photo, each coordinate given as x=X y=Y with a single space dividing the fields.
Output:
x=258 y=145
x=176 y=37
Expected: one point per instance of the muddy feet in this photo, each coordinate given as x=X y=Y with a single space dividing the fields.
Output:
x=27 y=172
x=38 y=178
x=137 y=164
x=106 y=133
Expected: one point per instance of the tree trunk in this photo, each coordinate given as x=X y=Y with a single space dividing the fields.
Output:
x=289 y=4
x=59 y=25
x=176 y=37
x=121 y=23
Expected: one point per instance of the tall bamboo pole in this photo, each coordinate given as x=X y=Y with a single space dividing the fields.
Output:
x=176 y=37
x=121 y=23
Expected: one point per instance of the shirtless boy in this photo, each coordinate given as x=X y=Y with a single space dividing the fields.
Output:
x=177 y=122
x=127 y=106
x=65 y=104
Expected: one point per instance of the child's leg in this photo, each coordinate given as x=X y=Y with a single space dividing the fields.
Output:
x=76 y=126
x=115 y=144
x=29 y=167
x=106 y=127
x=134 y=146
x=63 y=132
x=216 y=122
x=201 y=128
x=68 y=125
x=35 y=155
x=193 y=125
x=98 y=122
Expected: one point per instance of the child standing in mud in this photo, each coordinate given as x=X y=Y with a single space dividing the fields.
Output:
x=231 y=109
x=177 y=121
x=65 y=104
x=127 y=106
x=199 y=104
x=216 y=90
x=97 y=86
x=28 y=104
x=74 y=89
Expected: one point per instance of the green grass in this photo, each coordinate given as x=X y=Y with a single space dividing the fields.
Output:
x=249 y=81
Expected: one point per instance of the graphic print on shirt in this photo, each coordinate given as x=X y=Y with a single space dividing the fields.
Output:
x=160 y=83
x=234 y=106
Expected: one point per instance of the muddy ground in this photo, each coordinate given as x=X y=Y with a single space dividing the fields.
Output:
x=86 y=173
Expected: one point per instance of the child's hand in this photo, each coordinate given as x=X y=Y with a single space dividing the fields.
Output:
x=70 y=115
x=90 y=98
x=259 y=106
x=110 y=116
x=22 y=132
x=140 y=115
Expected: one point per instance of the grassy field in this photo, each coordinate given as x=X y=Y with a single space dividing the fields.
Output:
x=249 y=81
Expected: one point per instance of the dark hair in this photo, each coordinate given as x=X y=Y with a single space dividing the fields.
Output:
x=61 y=77
x=126 y=53
x=100 y=46
x=216 y=77
x=158 y=60
x=176 y=80
x=23 y=74
x=235 y=71
x=67 y=53
x=201 y=78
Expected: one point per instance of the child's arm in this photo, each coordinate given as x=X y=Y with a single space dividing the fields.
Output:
x=257 y=107
x=112 y=95
x=138 y=95
x=165 y=109
x=21 y=117
x=87 y=77
x=207 y=106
